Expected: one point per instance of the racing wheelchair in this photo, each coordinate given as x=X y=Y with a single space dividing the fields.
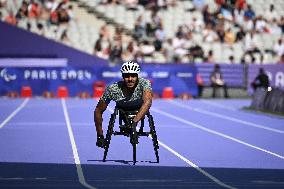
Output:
x=131 y=130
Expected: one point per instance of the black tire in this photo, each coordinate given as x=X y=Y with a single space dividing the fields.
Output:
x=134 y=141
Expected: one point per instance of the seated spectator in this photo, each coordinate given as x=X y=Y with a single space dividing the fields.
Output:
x=210 y=57
x=231 y=59
x=240 y=34
x=115 y=52
x=270 y=14
x=139 y=28
x=249 y=13
x=251 y=47
x=209 y=35
x=261 y=80
x=278 y=48
x=238 y=16
x=159 y=37
x=179 y=46
x=196 y=52
x=11 y=19
x=229 y=37
x=147 y=49
x=130 y=52
x=168 y=50
x=217 y=81
x=23 y=11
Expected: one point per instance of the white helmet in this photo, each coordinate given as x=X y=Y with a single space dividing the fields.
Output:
x=130 y=67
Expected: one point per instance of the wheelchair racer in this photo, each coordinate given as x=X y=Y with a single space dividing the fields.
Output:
x=132 y=93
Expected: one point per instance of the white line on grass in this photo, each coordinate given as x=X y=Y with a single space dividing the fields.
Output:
x=74 y=148
x=14 y=113
x=214 y=179
x=227 y=117
x=216 y=133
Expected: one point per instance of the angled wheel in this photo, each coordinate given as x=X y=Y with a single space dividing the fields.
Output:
x=154 y=137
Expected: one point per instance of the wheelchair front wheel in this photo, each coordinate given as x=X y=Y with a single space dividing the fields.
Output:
x=134 y=142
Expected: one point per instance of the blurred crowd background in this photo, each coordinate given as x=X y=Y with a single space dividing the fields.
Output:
x=158 y=31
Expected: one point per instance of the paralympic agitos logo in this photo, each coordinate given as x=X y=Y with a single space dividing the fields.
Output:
x=6 y=76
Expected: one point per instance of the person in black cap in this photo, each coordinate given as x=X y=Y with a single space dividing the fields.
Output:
x=261 y=80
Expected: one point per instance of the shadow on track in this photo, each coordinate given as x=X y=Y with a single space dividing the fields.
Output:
x=63 y=176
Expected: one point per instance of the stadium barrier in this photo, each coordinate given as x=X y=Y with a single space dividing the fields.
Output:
x=271 y=101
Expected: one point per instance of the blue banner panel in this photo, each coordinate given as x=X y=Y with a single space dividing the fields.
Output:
x=180 y=77
x=81 y=79
x=233 y=74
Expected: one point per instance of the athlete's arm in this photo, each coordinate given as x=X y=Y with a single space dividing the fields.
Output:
x=147 y=102
x=100 y=108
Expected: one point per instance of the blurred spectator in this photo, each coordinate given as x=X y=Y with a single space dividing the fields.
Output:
x=104 y=32
x=209 y=35
x=229 y=36
x=210 y=57
x=231 y=59
x=281 y=24
x=238 y=16
x=240 y=34
x=251 y=47
x=179 y=46
x=116 y=52
x=130 y=52
x=240 y=4
x=249 y=13
x=23 y=11
x=168 y=50
x=273 y=28
x=261 y=80
x=270 y=14
x=11 y=19
x=260 y=25
x=139 y=28
x=196 y=52
x=217 y=81
x=34 y=10
x=159 y=37
x=147 y=49
x=200 y=84
x=196 y=25
x=278 y=48
x=99 y=50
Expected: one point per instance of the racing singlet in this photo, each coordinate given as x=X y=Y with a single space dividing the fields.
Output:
x=133 y=101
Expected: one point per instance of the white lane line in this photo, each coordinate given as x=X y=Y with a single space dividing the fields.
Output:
x=214 y=179
x=218 y=105
x=216 y=133
x=74 y=148
x=227 y=117
x=14 y=113
x=217 y=181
